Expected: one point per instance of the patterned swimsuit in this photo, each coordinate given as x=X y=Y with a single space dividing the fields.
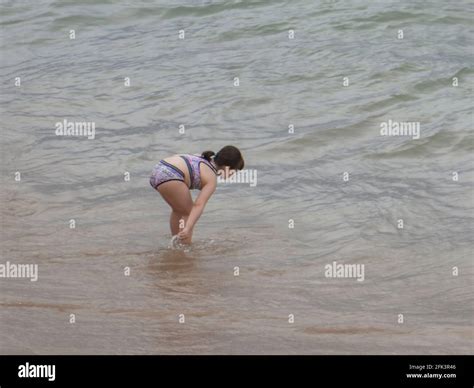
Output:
x=165 y=172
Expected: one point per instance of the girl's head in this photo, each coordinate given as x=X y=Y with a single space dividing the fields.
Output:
x=229 y=157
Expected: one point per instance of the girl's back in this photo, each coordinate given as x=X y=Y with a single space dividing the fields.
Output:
x=191 y=167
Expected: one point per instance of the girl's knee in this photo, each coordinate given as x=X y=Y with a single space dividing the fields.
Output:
x=182 y=212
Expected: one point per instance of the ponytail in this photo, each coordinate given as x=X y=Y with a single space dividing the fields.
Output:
x=208 y=155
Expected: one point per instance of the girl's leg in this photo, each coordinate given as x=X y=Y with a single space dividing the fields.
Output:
x=174 y=222
x=178 y=196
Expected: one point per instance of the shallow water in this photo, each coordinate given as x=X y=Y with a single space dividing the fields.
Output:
x=123 y=224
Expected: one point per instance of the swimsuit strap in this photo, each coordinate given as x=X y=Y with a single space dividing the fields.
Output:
x=209 y=164
x=190 y=169
x=193 y=162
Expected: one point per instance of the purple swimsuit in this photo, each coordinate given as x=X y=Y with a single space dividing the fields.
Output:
x=165 y=172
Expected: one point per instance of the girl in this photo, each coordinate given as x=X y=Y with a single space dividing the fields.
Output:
x=175 y=176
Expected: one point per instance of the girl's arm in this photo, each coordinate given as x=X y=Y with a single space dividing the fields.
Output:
x=198 y=207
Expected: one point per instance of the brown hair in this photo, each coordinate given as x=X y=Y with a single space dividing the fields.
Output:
x=227 y=156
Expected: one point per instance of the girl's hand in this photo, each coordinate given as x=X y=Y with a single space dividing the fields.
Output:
x=185 y=235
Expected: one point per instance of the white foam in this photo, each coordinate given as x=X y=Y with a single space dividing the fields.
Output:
x=175 y=244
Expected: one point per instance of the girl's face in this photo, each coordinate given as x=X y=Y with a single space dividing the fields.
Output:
x=225 y=172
